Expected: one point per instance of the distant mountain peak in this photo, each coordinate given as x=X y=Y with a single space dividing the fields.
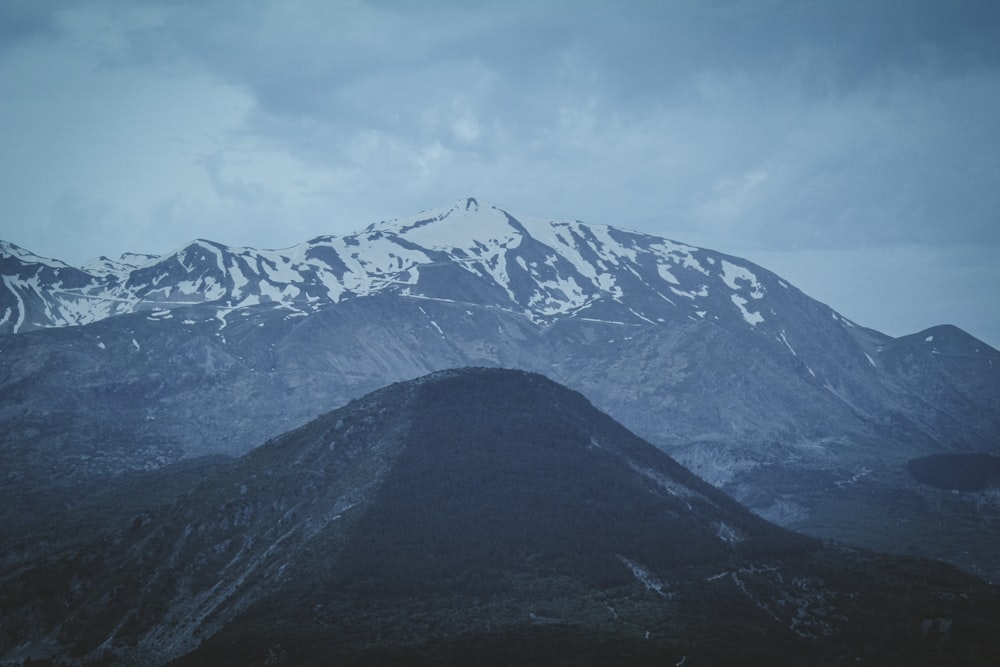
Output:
x=456 y=226
x=15 y=251
x=105 y=267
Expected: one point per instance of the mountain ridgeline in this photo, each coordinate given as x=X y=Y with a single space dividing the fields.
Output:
x=545 y=270
x=478 y=516
x=118 y=368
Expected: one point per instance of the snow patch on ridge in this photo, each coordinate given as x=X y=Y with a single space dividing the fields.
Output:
x=753 y=319
x=784 y=340
x=12 y=284
x=732 y=273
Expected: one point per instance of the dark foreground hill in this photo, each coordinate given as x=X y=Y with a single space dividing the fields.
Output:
x=478 y=517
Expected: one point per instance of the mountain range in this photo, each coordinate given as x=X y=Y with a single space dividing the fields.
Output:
x=477 y=516
x=122 y=367
x=544 y=271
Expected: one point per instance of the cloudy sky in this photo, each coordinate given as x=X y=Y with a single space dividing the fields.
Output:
x=853 y=146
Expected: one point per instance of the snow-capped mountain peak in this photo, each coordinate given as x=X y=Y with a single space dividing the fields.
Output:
x=470 y=251
x=105 y=266
x=11 y=250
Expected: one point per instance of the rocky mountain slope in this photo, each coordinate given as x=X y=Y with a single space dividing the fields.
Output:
x=477 y=516
x=121 y=367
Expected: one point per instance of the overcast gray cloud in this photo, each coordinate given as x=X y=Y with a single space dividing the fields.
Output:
x=813 y=135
